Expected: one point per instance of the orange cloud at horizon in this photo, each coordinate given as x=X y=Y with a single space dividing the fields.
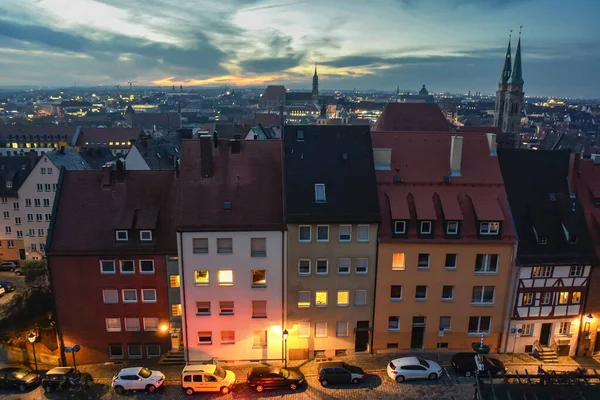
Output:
x=220 y=80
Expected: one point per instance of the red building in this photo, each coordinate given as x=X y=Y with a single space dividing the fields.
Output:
x=107 y=255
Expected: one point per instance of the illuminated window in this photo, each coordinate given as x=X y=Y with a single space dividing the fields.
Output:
x=113 y=324
x=398 y=262
x=576 y=298
x=321 y=298
x=527 y=299
x=343 y=298
x=176 y=310
x=565 y=328
x=541 y=272
x=259 y=278
x=225 y=277
x=174 y=281
x=563 y=298
x=201 y=277
x=303 y=299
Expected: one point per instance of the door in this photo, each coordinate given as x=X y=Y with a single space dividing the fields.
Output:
x=175 y=340
x=211 y=383
x=597 y=343
x=361 y=341
x=197 y=383
x=22 y=254
x=545 y=334
x=342 y=376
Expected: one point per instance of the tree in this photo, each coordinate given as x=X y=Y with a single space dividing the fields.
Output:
x=35 y=273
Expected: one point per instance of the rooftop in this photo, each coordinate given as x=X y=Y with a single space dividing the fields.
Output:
x=412 y=117
x=121 y=138
x=68 y=158
x=14 y=170
x=160 y=152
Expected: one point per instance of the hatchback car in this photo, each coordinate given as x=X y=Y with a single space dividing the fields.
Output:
x=2 y=290
x=9 y=266
x=8 y=287
x=206 y=378
x=406 y=368
x=65 y=378
x=137 y=378
x=18 y=378
x=340 y=372
x=465 y=364
x=262 y=378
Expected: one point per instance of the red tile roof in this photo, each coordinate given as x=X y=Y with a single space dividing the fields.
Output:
x=486 y=208
x=251 y=181
x=450 y=206
x=274 y=93
x=412 y=117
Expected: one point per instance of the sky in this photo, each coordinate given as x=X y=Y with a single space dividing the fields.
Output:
x=449 y=45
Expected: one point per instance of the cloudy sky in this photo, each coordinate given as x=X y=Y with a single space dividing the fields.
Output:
x=450 y=45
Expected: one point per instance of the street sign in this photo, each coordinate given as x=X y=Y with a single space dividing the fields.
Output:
x=513 y=331
x=520 y=331
x=76 y=348
x=68 y=349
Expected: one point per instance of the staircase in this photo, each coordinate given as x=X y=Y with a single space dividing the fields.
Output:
x=547 y=355
x=173 y=357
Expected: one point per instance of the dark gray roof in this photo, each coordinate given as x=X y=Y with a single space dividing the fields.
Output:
x=160 y=152
x=162 y=120
x=68 y=158
x=265 y=132
x=15 y=169
x=97 y=157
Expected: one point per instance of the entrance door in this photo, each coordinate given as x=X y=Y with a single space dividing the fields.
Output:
x=545 y=334
x=597 y=343
x=176 y=341
x=361 y=342
x=417 y=336
x=22 y=254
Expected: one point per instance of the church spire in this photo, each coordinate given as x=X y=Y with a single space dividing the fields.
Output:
x=315 y=86
x=517 y=75
x=506 y=71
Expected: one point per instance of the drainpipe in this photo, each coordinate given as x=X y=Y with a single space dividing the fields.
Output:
x=183 y=307
x=375 y=290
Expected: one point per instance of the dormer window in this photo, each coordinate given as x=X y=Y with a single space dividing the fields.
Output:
x=320 y=193
x=399 y=227
x=489 y=228
x=300 y=135
x=571 y=238
x=8 y=184
x=425 y=228
x=452 y=228
x=538 y=238
x=122 y=236
x=145 y=236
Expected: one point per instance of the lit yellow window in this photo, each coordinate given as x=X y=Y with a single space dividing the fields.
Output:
x=225 y=277
x=321 y=298
x=15 y=145
x=175 y=281
x=576 y=299
x=563 y=298
x=111 y=143
x=398 y=261
x=28 y=145
x=343 y=298
x=201 y=277
x=176 y=310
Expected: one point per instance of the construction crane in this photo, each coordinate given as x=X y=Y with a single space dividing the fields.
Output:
x=131 y=87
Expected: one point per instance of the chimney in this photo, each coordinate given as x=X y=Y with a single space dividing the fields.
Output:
x=235 y=145
x=205 y=156
x=491 y=139
x=573 y=177
x=216 y=138
x=120 y=171
x=106 y=175
x=456 y=155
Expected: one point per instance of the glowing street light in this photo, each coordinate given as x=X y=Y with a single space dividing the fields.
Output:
x=32 y=337
x=285 y=336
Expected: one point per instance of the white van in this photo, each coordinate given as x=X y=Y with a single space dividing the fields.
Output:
x=206 y=378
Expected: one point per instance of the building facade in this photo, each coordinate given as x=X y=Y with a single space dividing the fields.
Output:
x=332 y=219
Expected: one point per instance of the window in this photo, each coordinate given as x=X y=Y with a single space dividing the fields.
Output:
x=19 y=234
x=47 y=187
x=174 y=281
x=258 y=247
x=321 y=298
x=54 y=186
x=322 y=233
x=16 y=206
x=360 y=298
x=38 y=217
x=134 y=350
x=527 y=330
x=152 y=350
x=320 y=329
x=6 y=215
x=576 y=270
x=203 y=308
x=546 y=298
x=8 y=229
x=343 y=266
x=341 y=329
x=421 y=293
x=450 y=262
x=148 y=295
x=129 y=295
x=393 y=324
x=43 y=246
x=27 y=202
x=362 y=233
x=527 y=299
x=541 y=272
x=201 y=278
x=343 y=298
x=479 y=324
x=362 y=265
x=486 y=263
x=259 y=309
x=445 y=323
x=46 y=202
x=176 y=310
x=43 y=171
x=489 y=228
x=33 y=246
x=226 y=308
x=49 y=171
x=398 y=262
x=47 y=217
x=563 y=298
x=396 y=292
x=576 y=298
x=320 y=193
x=423 y=261
x=40 y=232
x=10 y=244
x=304 y=233
x=8 y=184
x=37 y=202
x=225 y=277
x=127 y=267
x=204 y=337
x=4 y=200
x=110 y=296
x=303 y=267
x=227 y=337
x=483 y=295
x=345 y=233
x=132 y=324
x=108 y=267
x=303 y=329
x=113 y=324
x=40 y=187
x=425 y=228
x=452 y=228
x=300 y=135
x=29 y=217
x=145 y=236
x=564 y=328
x=200 y=245
x=115 y=351
x=303 y=299
x=399 y=227
x=146 y=266
x=447 y=293
x=322 y=267
x=224 y=246
x=259 y=339
x=259 y=278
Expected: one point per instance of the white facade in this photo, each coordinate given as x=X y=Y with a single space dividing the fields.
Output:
x=213 y=283
x=134 y=160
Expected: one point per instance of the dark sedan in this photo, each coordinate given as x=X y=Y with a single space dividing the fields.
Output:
x=9 y=287
x=18 y=378
x=340 y=372
x=262 y=378
x=65 y=378
x=465 y=364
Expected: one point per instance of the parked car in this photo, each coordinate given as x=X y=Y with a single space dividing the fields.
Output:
x=9 y=265
x=262 y=378
x=2 y=290
x=18 y=378
x=18 y=271
x=206 y=378
x=465 y=364
x=339 y=372
x=65 y=378
x=406 y=368
x=137 y=378
x=9 y=287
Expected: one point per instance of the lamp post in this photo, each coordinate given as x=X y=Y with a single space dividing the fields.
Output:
x=285 y=336
x=31 y=337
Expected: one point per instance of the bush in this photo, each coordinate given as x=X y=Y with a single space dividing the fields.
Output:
x=35 y=272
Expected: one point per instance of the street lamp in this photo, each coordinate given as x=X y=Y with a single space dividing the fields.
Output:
x=285 y=336
x=31 y=337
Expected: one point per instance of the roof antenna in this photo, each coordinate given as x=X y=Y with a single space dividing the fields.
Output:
x=521 y=27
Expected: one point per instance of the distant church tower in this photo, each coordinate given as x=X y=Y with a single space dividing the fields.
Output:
x=315 y=86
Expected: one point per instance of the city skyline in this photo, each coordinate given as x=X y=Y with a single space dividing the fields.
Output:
x=260 y=42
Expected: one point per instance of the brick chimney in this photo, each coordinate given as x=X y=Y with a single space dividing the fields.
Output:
x=206 y=164
x=456 y=155
x=491 y=139
x=120 y=171
x=106 y=175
